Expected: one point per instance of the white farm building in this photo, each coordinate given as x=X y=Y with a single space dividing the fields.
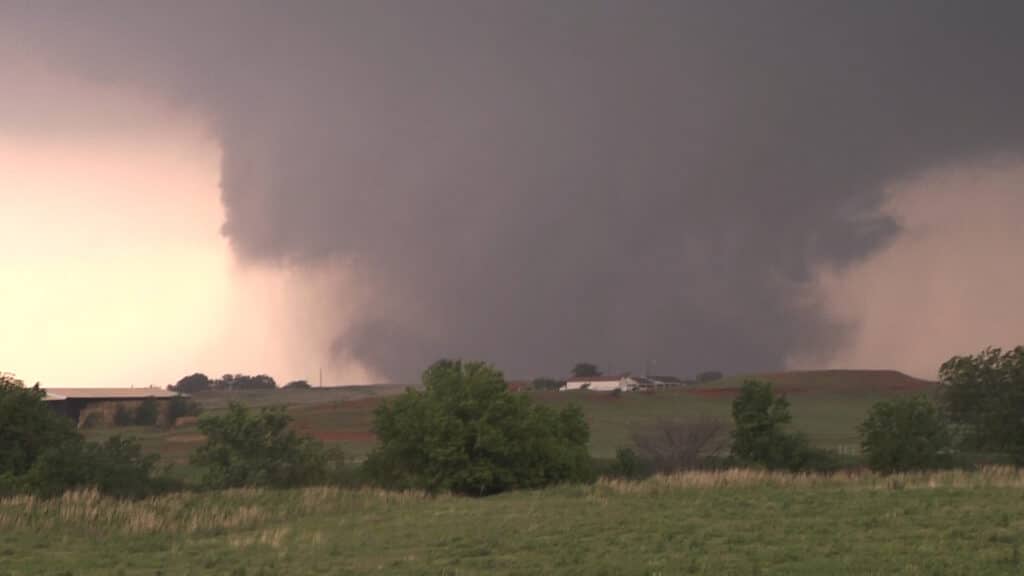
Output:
x=601 y=384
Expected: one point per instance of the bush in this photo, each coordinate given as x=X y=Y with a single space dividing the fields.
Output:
x=147 y=413
x=124 y=416
x=467 y=433
x=116 y=468
x=761 y=438
x=627 y=464
x=904 y=435
x=180 y=406
x=245 y=449
x=297 y=385
x=672 y=446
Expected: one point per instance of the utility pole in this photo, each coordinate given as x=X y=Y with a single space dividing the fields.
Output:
x=321 y=376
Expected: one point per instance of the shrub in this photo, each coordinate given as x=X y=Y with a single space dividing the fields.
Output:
x=246 y=449
x=672 y=445
x=116 y=468
x=180 y=406
x=147 y=413
x=124 y=416
x=466 y=433
x=903 y=435
x=297 y=385
x=627 y=464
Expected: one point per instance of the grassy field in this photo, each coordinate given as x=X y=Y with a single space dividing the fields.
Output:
x=826 y=405
x=736 y=522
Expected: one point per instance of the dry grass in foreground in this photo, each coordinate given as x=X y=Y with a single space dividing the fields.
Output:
x=725 y=522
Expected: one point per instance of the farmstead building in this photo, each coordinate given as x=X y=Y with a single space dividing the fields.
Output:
x=99 y=405
x=601 y=384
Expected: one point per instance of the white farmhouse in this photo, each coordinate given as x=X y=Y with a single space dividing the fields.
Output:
x=601 y=384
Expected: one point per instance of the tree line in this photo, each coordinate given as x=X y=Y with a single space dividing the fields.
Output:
x=199 y=382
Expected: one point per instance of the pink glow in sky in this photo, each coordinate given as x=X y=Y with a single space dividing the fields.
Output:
x=114 y=269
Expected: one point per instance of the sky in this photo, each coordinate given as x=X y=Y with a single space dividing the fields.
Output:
x=365 y=187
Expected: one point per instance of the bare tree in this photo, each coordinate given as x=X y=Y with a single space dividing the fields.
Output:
x=673 y=445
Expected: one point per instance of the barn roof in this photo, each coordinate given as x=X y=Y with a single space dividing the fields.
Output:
x=107 y=393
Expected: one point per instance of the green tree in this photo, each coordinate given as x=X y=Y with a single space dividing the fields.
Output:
x=983 y=395
x=585 y=370
x=246 y=449
x=760 y=436
x=28 y=427
x=906 y=434
x=466 y=433
x=297 y=385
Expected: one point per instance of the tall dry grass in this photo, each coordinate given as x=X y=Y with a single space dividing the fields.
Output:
x=264 y=512
x=188 y=513
x=994 y=476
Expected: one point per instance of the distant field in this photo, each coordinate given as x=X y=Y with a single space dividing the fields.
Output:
x=826 y=405
x=737 y=522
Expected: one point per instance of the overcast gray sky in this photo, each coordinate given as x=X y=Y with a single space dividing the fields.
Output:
x=540 y=183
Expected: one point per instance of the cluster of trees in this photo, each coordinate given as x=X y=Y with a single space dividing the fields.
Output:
x=200 y=382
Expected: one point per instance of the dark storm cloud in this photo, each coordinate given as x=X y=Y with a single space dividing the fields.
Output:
x=538 y=183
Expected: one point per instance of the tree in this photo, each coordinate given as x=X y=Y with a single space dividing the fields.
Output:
x=28 y=427
x=244 y=382
x=246 y=449
x=197 y=382
x=984 y=398
x=466 y=433
x=297 y=385
x=760 y=435
x=906 y=434
x=674 y=445
x=585 y=370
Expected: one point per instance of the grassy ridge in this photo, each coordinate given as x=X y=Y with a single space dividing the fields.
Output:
x=734 y=522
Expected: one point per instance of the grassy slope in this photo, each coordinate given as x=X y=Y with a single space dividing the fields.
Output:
x=747 y=524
